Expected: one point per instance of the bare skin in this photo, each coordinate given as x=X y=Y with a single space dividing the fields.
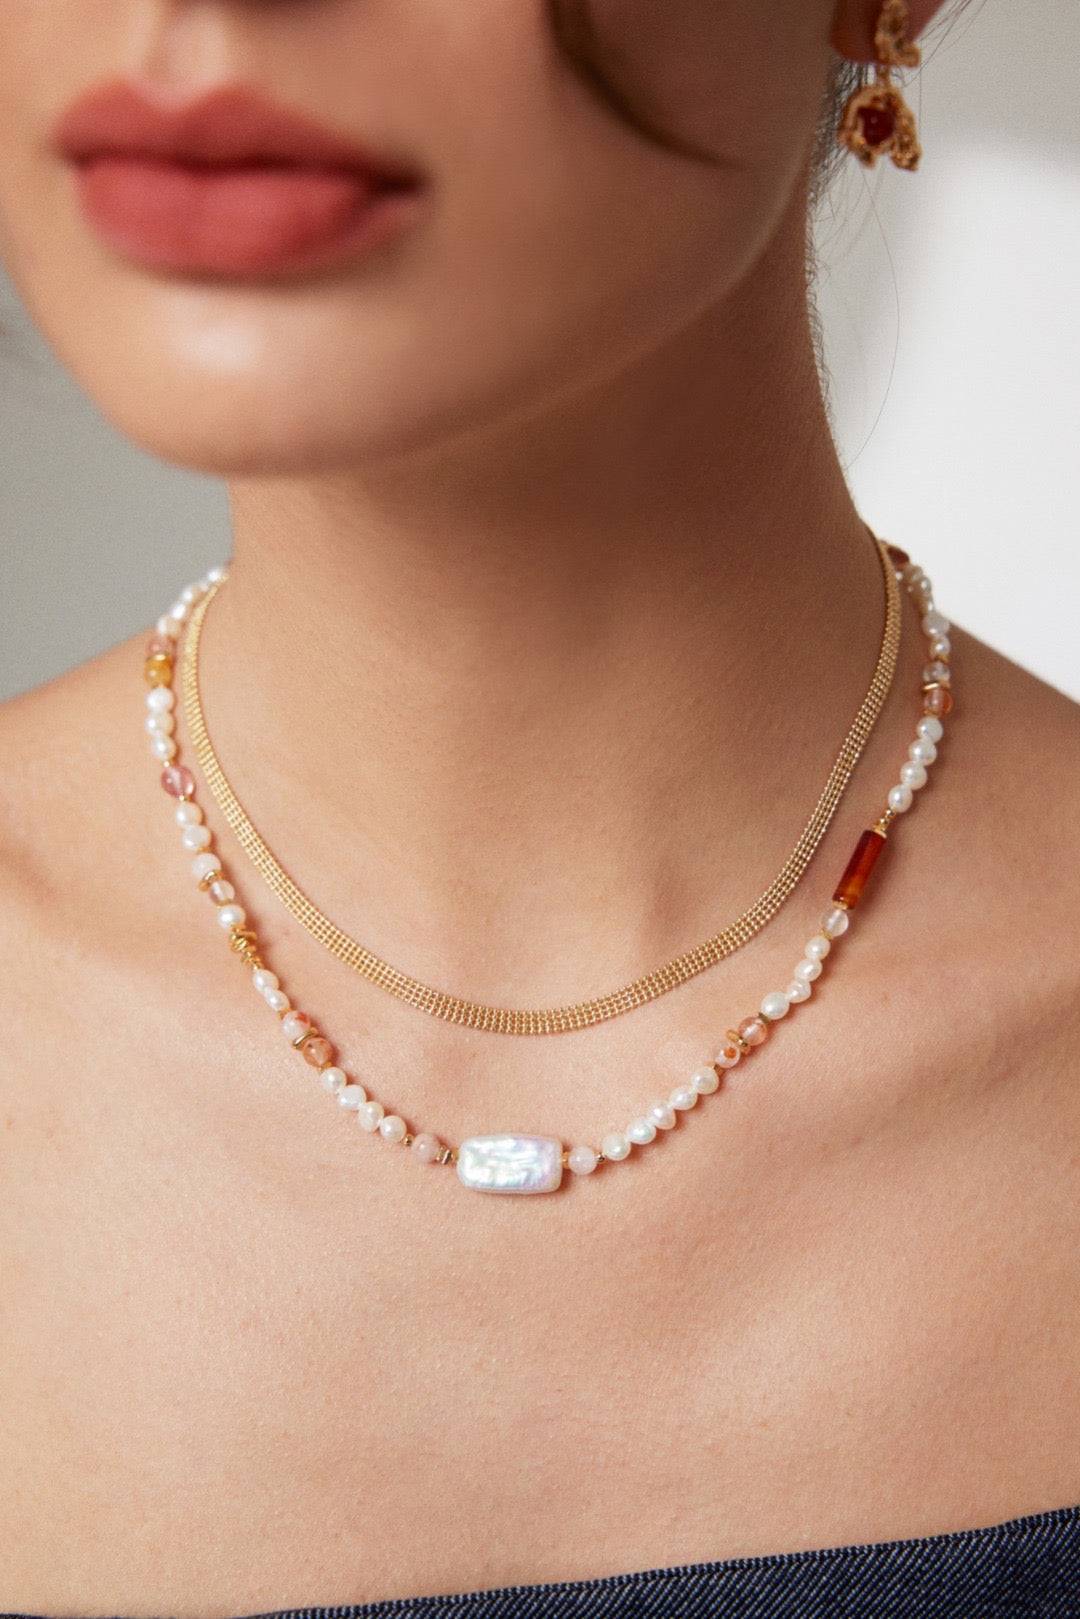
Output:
x=529 y=710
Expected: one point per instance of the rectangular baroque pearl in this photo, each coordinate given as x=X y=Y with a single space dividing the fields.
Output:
x=510 y=1163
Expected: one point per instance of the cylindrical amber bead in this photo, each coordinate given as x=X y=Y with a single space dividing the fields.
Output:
x=858 y=869
x=158 y=670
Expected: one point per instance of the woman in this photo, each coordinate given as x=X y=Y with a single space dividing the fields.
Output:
x=547 y=610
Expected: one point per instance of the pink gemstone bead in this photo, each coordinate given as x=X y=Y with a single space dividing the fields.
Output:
x=317 y=1051
x=160 y=643
x=178 y=781
x=754 y=1031
x=426 y=1147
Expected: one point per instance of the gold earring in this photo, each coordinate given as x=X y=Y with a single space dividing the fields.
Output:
x=876 y=118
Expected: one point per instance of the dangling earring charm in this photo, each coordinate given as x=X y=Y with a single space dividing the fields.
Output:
x=876 y=118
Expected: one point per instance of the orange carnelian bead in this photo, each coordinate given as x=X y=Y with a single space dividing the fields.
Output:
x=937 y=700
x=317 y=1051
x=858 y=868
x=158 y=670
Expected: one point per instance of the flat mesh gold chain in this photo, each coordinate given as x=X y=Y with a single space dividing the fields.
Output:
x=559 y=1019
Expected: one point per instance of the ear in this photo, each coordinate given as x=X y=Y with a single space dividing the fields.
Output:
x=854 y=22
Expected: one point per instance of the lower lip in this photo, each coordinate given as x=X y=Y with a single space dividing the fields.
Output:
x=243 y=222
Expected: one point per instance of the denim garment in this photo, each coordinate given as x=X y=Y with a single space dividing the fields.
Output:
x=1025 y=1568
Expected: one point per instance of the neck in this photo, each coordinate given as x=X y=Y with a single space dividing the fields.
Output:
x=586 y=673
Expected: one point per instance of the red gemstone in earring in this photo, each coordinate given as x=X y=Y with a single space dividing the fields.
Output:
x=878 y=123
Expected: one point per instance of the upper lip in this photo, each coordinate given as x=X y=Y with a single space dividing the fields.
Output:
x=230 y=124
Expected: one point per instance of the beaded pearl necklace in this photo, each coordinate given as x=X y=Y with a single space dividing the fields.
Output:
x=524 y=1163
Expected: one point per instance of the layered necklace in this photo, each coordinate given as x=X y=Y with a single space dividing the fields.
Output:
x=506 y=1162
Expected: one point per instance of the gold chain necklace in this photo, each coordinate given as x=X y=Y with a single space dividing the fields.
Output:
x=581 y=1015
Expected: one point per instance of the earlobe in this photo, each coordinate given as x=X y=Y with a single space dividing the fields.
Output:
x=854 y=24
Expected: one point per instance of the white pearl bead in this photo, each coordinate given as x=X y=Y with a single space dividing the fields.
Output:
x=204 y=864
x=582 y=1160
x=188 y=813
x=195 y=837
x=392 y=1127
x=807 y=970
x=922 y=751
x=276 y=999
x=167 y=626
x=179 y=611
x=215 y=573
x=940 y=646
x=163 y=747
x=293 y=1026
x=615 y=1145
x=333 y=1077
x=835 y=922
x=818 y=947
x=683 y=1097
x=798 y=990
x=231 y=916
x=189 y=594
x=662 y=1114
x=264 y=979
x=160 y=697
x=913 y=775
x=351 y=1096
x=931 y=727
x=935 y=623
x=368 y=1115
x=775 y=1005
x=705 y=1081
x=641 y=1132
x=900 y=798
x=160 y=721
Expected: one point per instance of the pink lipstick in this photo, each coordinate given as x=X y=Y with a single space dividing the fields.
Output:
x=230 y=184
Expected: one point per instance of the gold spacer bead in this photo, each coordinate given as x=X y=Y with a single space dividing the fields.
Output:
x=884 y=821
x=407 y=1139
x=737 y=1040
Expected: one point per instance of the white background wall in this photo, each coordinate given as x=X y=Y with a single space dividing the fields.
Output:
x=951 y=303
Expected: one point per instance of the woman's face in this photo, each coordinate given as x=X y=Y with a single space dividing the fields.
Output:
x=551 y=243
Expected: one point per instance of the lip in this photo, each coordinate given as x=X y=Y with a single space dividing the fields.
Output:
x=229 y=183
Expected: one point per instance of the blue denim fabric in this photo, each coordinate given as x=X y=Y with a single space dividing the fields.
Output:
x=1026 y=1568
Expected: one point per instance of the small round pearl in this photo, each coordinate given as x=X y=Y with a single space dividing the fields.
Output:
x=195 y=837
x=276 y=999
x=160 y=722
x=931 y=727
x=426 y=1147
x=368 y=1115
x=728 y=1055
x=940 y=646
x=187 y=813
x=913 y=775
x=163 y=747
x=935 y=623
x=335 y=1079
x=392 y=1127
x=936 y=670
x=705 y=1081
x=204 y=865
x=189 y=594
x=615 y=1145
x=835 y=922
x=922 y=751
x=900 y=798
x=351 y=1096
x=683 y=1097
x=160 y=697
x=167 y=626
x=807 y=970
x=264 y=979
x=296 y=1024
x=775 y=1005
x=231 y=916
x=582 y=1160
x=179 y=611
x=214 y=574
x=220 y=891
x=662 y=1114
x=641 y=1132
x=818 y=947
x=798 y=990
